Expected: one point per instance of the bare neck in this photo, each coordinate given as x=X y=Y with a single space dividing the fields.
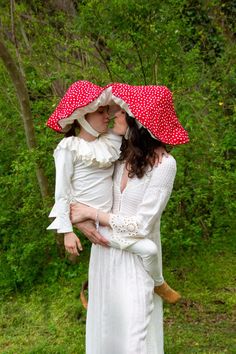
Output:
x=86 y=136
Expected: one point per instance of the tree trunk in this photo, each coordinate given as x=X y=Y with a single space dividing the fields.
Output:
x=24 y=101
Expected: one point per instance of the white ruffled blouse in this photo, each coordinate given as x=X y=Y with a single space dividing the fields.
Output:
x=83 y=174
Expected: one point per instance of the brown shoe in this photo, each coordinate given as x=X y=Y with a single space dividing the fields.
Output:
x=83 y=298
x=166 y=293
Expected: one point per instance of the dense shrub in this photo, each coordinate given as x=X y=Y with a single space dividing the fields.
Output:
x=184 y=45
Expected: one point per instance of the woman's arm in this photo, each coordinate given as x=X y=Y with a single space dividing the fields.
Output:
x=154 y=201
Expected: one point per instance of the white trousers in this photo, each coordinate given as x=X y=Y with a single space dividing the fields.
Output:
x=147 y=250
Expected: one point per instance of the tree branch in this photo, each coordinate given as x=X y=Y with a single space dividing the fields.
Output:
x=104 y=61
x=140 y=59
x=24 y=101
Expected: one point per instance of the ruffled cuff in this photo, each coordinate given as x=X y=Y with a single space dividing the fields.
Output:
x=59 y=225
x=62 y=223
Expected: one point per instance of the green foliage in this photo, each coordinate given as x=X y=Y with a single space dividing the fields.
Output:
x=185 y=45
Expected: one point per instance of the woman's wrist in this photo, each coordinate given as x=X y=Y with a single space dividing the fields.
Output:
x=92 y=214
x=68 y=233
x=103 y=218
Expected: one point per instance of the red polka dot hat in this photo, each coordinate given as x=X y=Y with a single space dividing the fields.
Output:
x=79 y=95
x=153 y=107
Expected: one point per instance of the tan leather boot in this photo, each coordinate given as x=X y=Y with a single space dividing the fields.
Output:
x=167 y=294
x=83 y=298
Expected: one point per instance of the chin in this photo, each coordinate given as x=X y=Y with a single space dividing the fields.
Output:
x=104 y=130
x=115 y=130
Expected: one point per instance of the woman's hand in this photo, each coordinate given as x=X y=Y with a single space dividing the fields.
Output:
x=72 y=243
x=89 y=230
x=160 y=152
x=81 y=212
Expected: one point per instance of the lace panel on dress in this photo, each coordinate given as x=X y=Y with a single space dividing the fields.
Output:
x=123 y=227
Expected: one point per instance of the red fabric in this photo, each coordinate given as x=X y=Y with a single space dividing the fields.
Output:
x=79 y=94
x=153 y=107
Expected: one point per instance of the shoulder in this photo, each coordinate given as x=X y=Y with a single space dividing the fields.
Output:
x=67 y=143
x=67 y=146
x=164 y=173
x=169 y=162
x=70 y=143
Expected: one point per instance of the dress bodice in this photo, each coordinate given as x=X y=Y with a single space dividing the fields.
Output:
x=137 y=210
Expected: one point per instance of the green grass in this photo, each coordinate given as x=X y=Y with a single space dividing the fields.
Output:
x=50 y=318
x=205 y=320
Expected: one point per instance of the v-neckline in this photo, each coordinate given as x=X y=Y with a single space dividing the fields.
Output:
x=120 y=179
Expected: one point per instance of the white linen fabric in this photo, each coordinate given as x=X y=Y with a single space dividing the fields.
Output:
x=124 y=315
x=83 y=174
x=129 y=226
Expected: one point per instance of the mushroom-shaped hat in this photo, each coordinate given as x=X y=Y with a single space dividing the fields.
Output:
x=81 y=98
x=153 y=107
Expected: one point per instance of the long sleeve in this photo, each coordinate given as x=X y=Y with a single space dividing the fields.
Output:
x=61 y=209
x=153 y=203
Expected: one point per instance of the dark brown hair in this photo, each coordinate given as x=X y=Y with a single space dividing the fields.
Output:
x=72 y=131
x=139 y=149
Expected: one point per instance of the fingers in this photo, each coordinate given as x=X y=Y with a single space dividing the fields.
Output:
x=73 y=212
x=158 y=159
x=100 y=239
x=97 y=239
x=165 y=153
x=160 y=156
x=72 y=250
x=72 y=244
x=79 y=246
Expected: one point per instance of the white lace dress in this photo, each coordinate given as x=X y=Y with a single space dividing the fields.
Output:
x=124 y=316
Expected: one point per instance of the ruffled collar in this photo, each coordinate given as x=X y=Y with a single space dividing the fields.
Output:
x=100 y=152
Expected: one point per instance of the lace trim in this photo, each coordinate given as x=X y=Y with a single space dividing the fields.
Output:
x=124 y=228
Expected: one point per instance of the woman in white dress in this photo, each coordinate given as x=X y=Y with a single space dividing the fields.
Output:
x=124 y=316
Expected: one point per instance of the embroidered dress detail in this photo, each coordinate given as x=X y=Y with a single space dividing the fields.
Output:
x=123 y=227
